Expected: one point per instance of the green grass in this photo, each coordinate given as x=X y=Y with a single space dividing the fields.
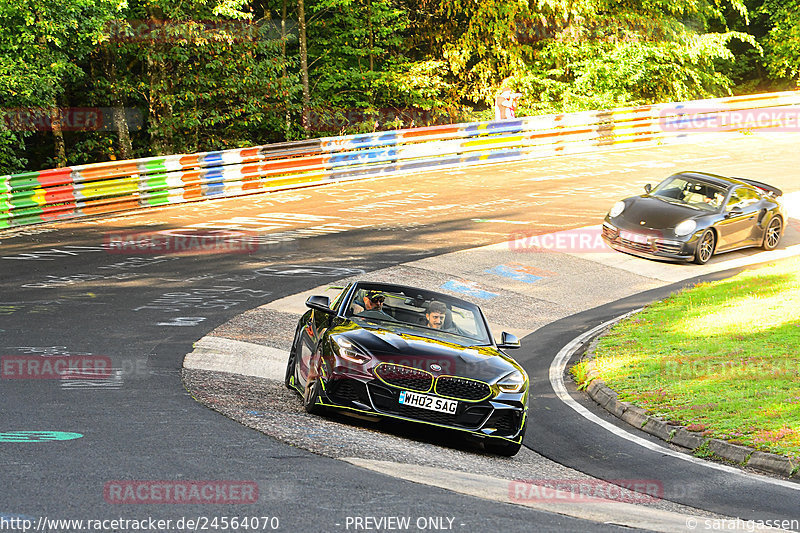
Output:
x=721 y=358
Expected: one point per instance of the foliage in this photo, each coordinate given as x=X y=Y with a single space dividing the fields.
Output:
x=783 y=41
x=215 y=74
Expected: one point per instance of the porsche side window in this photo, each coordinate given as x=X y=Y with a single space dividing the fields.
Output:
x=742 y=197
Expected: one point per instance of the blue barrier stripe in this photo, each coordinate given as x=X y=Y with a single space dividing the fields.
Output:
x=211 y=159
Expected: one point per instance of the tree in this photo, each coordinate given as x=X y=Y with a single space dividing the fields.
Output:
x=782 y=56
x=41 y=45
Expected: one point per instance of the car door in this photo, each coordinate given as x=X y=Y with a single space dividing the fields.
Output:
x=738 y=227
x=312 y=333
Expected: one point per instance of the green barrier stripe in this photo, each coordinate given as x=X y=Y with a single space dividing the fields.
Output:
x=155 y=164
x=157 y=198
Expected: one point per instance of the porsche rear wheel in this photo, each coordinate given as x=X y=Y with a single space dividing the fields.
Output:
x=773 y=234
x=705 y=247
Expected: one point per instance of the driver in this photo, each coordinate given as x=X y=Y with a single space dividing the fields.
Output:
x=372 y=305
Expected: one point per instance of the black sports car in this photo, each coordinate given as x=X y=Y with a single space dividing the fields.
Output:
x=693 y=215
x=390 y=351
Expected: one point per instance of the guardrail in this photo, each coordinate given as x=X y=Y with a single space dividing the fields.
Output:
x=67 y=193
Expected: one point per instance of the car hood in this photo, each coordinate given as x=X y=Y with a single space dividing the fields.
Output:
x=485 y=363
x=655 y=213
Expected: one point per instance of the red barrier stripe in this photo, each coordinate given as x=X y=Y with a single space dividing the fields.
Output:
x=299 y=162
x=421 y=132
x=55 y=195
x=57 y=176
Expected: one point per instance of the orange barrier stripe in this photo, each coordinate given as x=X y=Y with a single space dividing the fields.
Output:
x=116 y=170
x=189 y=161
x=96 y=207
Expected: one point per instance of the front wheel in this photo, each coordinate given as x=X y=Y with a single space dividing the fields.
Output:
x=311 y=397
x=705 y=247
x=773 y=234
x=506 y=448
x=502 y=447
x=291 y=366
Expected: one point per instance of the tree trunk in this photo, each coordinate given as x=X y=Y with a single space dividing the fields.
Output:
x=118 y=115
x=288 y=116
x=301 y=16
x=56 y=116
x=371 y=37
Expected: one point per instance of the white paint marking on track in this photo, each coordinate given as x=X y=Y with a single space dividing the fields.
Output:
x=557 y=369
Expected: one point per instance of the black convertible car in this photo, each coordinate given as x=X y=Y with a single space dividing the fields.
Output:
x=693 y=215
x=390 y=351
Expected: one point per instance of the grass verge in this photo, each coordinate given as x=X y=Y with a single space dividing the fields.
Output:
x=721 y=358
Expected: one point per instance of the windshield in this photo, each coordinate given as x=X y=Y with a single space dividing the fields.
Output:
x=690 y=192
x=418 y=312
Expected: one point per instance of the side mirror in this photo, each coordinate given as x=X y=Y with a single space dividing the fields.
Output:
x=648 y=188
x=319 y=303
x=508 y=341
x=734 y=211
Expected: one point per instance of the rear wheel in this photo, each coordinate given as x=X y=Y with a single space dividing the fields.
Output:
x=773 y=234
x=705 y=247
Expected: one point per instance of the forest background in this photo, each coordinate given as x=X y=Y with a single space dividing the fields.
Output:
x=83 y=81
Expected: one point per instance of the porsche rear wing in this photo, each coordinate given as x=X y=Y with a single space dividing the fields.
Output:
x=774 y=191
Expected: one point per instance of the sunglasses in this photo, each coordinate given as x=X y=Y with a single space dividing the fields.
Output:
x=377 y=299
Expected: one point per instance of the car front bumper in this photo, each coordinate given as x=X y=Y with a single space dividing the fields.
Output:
x=649 y=245
x=499 y=416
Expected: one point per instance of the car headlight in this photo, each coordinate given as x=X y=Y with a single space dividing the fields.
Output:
x=513 y=382
x=349 y=351
x=685 y=228
x=617 y=209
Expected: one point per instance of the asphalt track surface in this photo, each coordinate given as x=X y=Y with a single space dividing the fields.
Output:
x=64 y=293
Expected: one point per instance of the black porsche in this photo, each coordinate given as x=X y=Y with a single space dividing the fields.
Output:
x=391 y=351
x=693 y=215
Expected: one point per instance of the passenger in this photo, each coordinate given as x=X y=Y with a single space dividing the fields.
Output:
x=436 y=316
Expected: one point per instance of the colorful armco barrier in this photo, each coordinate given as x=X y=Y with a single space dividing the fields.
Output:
x=68 y=193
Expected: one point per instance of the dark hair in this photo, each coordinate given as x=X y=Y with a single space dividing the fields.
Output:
x=436 y=307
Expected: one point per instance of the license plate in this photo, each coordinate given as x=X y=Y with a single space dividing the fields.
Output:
x=633 y=237
x=432 y=403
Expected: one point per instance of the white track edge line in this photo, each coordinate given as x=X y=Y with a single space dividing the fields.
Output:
x=557 y=368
